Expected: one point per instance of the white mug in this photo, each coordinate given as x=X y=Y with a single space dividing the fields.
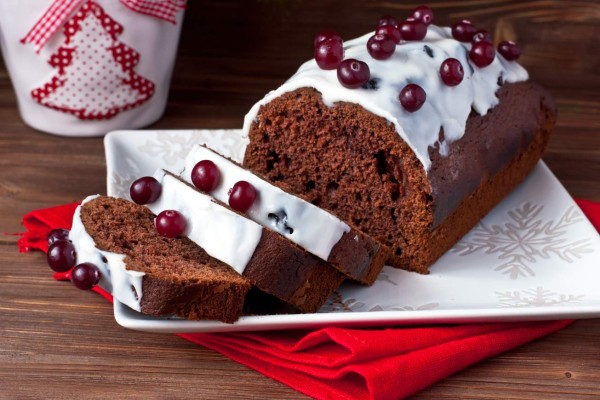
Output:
x=91 y=77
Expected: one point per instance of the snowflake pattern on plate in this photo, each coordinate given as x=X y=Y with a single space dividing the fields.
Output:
x=525 y=239
x=172 y=147
x=338 y=303
x=538 y=225
x=535 y=297
x=386 y=278
x=121 y=185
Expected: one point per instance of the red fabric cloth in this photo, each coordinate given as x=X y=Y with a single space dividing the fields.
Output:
x=39 y=223
x=344 y=363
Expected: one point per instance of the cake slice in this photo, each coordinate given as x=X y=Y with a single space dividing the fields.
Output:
x=150 y=273
x=317 y=231
x=269 y=261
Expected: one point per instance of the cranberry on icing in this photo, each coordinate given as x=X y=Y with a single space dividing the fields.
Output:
x=242 y=196
x=327 y=34
x=463 y=31
x=451 y=72
x=353 y=73
x=482 y=53
x=206 y=175
x=411 y=29
x=145 y=190
x=412 y=97
x=329 y=53
x=482 y=36
x=390 y=31
x=387 y=20
x=381 y=47
x=423 y=14
x=509 y=50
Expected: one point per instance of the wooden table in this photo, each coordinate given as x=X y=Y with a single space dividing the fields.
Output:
x=58 y=342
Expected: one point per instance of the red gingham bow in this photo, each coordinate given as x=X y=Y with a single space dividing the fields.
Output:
x=56 y=15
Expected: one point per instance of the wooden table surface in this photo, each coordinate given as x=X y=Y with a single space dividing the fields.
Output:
x=59 y=342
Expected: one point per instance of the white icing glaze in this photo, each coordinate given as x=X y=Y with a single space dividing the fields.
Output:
x=222 y=233
x=115 y=277
x=303 y=223
x=446 y=107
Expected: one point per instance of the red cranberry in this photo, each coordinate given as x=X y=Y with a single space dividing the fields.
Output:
x=509 y=50
x=145 y=190
x=85 y=276
x=353 y=73
x=389 y=31
x=327 y=34
x=452 y=72
x=329 y=53
x=482 y=36
x=423 y=14
x=387 y=20
x=412 y=97
x=206 y=175
x=482 y=54
x=170 y=223
x=58 y=235
x=61 y=256
x=463 y=31
x=242 y=196
x=381 y=47
x=411 y=29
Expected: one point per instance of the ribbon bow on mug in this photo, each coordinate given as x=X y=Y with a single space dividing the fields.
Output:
x=56 y=15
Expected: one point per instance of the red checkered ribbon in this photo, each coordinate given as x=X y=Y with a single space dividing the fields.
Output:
x=162 y=9
x=60 y=10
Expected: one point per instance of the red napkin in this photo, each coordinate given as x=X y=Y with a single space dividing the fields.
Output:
x=344 y=363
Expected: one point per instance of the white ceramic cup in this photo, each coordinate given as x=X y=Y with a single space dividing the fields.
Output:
x=92 y=90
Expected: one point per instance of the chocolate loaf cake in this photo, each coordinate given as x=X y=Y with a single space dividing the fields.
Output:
x=151 y=273
x=269 y=261
x=414 y=179
x=350 y=251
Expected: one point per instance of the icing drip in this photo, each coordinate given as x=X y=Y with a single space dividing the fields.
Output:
x=222 y=233
x=125 y=285
x=303 y=223
x=413 y=62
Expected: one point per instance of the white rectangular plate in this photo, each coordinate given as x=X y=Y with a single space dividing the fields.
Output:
x=535 y=256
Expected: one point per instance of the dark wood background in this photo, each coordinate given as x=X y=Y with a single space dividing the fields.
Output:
x=59 y=342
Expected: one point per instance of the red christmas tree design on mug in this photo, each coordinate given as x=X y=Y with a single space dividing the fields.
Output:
x=96 y=77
